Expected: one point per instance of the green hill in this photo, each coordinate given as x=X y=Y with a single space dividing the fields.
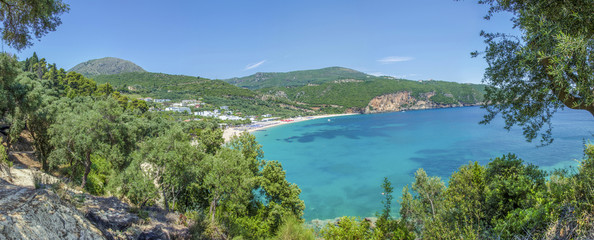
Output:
x=214 y=92
x=325 y=92
x=143 y=79
x=359 y=94
x=171 y=86
x=107 y=65
x=297 y=78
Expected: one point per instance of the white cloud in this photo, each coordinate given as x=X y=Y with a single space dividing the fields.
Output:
x=408 y=76
x=377 y=74
x=393 y=59
x=254 y=65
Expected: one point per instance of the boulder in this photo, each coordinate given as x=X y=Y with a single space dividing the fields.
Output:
x=27 y=213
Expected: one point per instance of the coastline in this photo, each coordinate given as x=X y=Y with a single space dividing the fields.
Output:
x=256 y=126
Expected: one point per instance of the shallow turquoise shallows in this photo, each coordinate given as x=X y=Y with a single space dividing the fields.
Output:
x=340 y=164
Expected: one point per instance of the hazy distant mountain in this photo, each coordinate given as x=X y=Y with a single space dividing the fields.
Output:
x=107 y=65
x=297 y=78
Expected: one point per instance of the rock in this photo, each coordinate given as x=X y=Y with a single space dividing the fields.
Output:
x=27 y=213
x=155 y=233
x=109 y=213
x=402 y=101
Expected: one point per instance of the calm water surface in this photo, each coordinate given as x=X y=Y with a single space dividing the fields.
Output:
x=340 y=164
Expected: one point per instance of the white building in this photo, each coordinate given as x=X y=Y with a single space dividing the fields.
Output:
x=179 y=109
x=186 y=103
x=230 y=117
x=206 y=114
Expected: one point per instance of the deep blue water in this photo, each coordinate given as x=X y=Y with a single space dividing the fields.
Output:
x=340 y=164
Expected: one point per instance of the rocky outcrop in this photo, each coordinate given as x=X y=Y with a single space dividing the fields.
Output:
x=402 y=101
x=55 y=211
x=109 y=214
x=28 y=213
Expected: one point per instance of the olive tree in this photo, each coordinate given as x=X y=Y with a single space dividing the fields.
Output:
x=548 y=67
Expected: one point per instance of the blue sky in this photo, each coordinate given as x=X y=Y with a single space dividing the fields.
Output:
x=420 y=39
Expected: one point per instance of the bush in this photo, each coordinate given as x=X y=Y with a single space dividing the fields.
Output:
x=97 y=179
x=293 y=229
x=5 y=165
x=347 y=228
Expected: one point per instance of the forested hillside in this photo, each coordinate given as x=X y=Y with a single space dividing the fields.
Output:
x=297 y=78
x=107 y=144
x=358 y=94
x=214 y=92
x=331 y=90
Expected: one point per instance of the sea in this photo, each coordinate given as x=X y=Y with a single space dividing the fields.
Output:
x=339 y=163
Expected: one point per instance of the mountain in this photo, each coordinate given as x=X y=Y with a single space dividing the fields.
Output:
x=382 y=94
x=331 y=90
x=107 y=65
x=297 y=78
x=214 y=92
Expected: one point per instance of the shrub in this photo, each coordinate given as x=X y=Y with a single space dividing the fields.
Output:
x=293 y=229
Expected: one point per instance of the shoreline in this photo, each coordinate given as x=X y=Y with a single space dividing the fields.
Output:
x=257 y=126
x=233 y=131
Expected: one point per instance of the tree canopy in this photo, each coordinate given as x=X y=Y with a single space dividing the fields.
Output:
x=548 y=67
x=23 y=19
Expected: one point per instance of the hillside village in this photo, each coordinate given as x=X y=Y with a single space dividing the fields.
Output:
x=196 y=108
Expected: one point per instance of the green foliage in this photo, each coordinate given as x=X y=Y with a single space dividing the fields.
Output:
x=172 y=162
x=281 y=197
x=24 y=19
x=347 y=228
x=142 y=80
x=136 y=184
x=3 y=154
x=297 y=78
x=250 y=149
x=214 y=92
x=358 y=94
x=423 y=207
x=97 y=179
x=329 y=97
x=5 y=164
x=511 y=185
x=85 y=128
x=229 y=182
x=465 y=197
x=108 y=65
x=548 y=67
x=78 y=85
x=388 y=228
x=507 y=199
x=210 y=138
x=387 y=201
x=293 y=229
x=16 y=100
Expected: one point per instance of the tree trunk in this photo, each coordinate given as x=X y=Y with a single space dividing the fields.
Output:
x=562 y=94
x=87 y=170
x=213 y=209
x=165 y=200
x=42 y=158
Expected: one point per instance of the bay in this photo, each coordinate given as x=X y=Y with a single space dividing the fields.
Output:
x=339 y=163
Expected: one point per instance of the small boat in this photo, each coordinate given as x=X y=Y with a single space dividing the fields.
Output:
x=329 y=120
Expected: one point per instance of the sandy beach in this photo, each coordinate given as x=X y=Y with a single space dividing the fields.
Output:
x=255 y=126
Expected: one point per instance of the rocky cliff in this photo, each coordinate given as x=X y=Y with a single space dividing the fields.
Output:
x=29 y=213
x=399 y=101
x=34 y=205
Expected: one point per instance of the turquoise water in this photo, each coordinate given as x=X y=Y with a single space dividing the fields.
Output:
x=340 y=164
